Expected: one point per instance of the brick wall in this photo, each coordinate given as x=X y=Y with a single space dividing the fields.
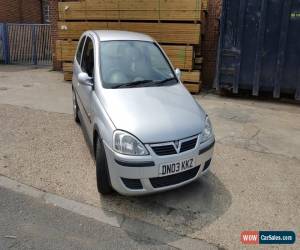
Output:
x=31 y=11
x=53 y=16
x=21 y=11
x=9 y=11
x=210 y=41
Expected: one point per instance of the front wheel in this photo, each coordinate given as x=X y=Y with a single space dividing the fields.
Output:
x=102 y=173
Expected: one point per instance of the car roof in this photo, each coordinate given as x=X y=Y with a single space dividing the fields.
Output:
x=114 y=35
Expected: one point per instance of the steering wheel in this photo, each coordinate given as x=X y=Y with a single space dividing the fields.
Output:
x=117 y=76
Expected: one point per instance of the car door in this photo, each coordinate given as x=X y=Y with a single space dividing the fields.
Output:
x=77 y=69
x=84 y=91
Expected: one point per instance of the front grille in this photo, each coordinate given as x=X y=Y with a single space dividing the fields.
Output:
x=169 y=148
x=169 y=180
x=132 y=183
x=188 y=145
x=164 y=150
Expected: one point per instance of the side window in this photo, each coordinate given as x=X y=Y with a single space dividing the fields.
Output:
x=79 y=50
x=87 y=64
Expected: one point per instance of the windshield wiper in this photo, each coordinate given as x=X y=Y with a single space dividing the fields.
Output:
x=166 y=80
x=140 y=82
x=132 y=84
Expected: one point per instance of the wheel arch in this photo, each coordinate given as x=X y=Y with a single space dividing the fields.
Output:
x=96 y=135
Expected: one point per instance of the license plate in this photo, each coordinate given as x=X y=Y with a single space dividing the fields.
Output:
x=176 y=167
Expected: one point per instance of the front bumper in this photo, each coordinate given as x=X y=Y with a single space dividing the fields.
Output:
x=138 y=175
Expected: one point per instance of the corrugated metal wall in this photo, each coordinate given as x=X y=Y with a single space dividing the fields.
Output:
x=259 y=48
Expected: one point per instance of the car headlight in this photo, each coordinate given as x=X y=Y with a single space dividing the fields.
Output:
x=124 y=143
x=207 y=132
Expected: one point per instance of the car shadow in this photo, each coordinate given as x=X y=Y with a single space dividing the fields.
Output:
x=182 y=211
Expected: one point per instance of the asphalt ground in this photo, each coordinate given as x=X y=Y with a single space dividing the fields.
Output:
x=26 y=223
x=253 y=183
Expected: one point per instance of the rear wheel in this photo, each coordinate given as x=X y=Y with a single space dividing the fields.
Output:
x=75 y=107
x=102 y=173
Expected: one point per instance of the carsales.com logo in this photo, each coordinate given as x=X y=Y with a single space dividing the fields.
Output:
x=268 y=237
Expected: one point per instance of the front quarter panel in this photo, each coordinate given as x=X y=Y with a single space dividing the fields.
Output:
x=101 y=120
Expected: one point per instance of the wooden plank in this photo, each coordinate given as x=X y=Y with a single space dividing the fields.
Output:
x=175 y=10
x=65 y=50
x=178 y=33
x=192 y=76
x=181 y=56
x=68 y=67
x=68 y=76
x=143 y=4
x=193 y=88
x=82 y=11
x=173 y=15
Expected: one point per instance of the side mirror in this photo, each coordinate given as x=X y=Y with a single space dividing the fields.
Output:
x=178 y=73
x=85 y=79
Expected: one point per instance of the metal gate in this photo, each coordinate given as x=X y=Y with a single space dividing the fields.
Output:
x=25 y=44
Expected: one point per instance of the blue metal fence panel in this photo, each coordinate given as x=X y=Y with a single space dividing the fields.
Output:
x=26 y=43
x=4 y=44
x=1 y=43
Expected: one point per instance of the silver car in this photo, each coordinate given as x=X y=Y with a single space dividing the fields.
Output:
x=147 y=132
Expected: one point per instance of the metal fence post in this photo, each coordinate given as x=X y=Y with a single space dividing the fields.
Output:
x=1 y=42
x=5 y=40
x=34 y=49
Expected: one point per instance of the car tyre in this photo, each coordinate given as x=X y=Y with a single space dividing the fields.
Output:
x=75 y=107
x=102 y=173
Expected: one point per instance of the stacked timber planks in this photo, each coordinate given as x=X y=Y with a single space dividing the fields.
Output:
x=120 y=10
x=175 y=24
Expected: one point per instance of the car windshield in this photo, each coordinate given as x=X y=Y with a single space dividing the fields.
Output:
x=133 y=63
